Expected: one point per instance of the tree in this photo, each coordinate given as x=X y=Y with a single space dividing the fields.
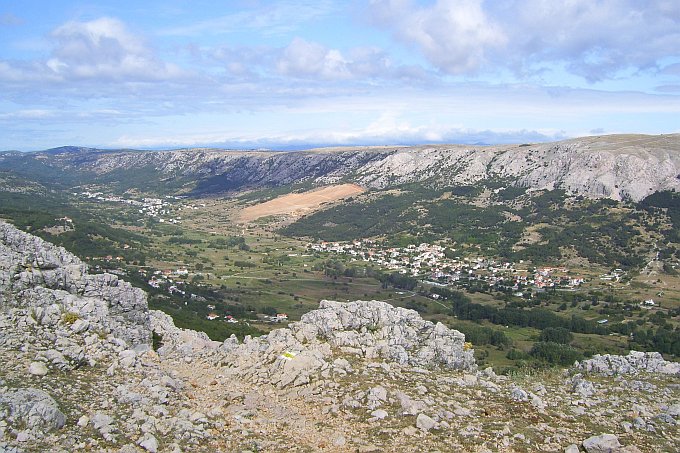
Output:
x=555 y=353
x=270 y=311
x=556 y=335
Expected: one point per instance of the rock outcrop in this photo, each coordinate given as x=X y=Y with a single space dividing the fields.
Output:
x=377 y=329
x=54 y=286
x=176 y=341
x=373 y=330
x=635 y=362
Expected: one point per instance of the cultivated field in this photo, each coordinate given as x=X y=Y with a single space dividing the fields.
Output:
x=300 y=203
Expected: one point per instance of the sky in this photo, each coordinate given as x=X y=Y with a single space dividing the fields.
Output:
x=294 y=74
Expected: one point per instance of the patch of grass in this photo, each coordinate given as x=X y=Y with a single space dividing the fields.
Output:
x=70 y=317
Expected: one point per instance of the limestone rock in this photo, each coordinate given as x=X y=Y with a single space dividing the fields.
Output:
x=32 y=408
x=616 y=167
x=582 y=386
x=518 y=394
x=178 y=341
x=37 y=369
x=604 y=443
x=149 y=443
x=425 y=423
x=52 y=283
x=635 y=362
x=409 y=406
x=674 y=410
x=101 y=421
x=378 y=329
x=378 y=378
x=379 y=414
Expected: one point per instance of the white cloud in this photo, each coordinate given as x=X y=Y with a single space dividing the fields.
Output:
x=389 y=129
x=673 y=69
x=9 y=73
x=330 y=86
x=455 y=35
x=303 y=58
x=668 y=88
x=46 y=115
x=670 y=9
x=105 y=48
x=593 y=39
x=306 y=59
x=102 y=52
x=373 y=62
x=29 y=114
x=241 y=62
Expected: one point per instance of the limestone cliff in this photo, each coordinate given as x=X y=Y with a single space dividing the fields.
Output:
x=617 y=166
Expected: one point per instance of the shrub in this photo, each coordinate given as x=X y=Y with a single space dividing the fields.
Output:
x=516 y=354
x=556 y=335
x=156 y=340
x=70 y=317
x=555 y=353
x=271 y=311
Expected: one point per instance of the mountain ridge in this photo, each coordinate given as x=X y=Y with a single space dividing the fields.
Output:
x=619 y=167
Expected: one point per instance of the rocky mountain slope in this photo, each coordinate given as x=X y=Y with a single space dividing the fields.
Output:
x=623 y=166
x=81 y=372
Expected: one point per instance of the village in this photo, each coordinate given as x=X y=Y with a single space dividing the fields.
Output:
x=435 y=264
x=160 y=209
x=173 y=282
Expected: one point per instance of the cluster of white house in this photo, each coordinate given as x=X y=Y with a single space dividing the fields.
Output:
x=429 y=261
x=615 y=275
x=157 y=208
x=164 y=279
x=213 y=315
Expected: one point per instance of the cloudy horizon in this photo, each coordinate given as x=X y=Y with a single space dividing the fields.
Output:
x=301 y=73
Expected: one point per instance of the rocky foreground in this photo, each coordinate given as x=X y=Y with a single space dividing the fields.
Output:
x=79 y=371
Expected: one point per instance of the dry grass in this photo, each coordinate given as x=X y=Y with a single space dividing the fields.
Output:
x=299 y=203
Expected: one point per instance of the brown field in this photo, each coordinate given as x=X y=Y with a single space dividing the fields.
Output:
x=300 y=203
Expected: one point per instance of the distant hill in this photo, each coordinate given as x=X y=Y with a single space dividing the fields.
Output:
x=615 y=166
x=69 y=150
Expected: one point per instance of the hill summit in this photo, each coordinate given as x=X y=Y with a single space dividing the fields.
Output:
x=86 y=365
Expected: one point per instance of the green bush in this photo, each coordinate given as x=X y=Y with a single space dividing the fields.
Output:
x=481 y=335
x=556 y=335
x=555 y=353
x=516 y=354
x=156 y=340
x=270 y=311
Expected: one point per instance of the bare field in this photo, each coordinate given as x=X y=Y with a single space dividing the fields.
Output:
x=299 y=203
